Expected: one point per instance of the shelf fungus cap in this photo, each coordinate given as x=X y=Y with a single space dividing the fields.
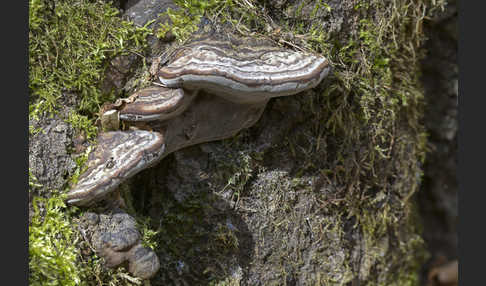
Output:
x=243 y=73
x=117 y=156
x=156 y=103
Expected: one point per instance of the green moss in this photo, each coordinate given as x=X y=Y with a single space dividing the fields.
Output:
x=84 y=126
x=70 y=43
x=81 y=166
x=52 y=241
x=186 y=19
x=54 y=248
x=81 y=123
x=149 y=236
x=33 y=182
x=52 y=244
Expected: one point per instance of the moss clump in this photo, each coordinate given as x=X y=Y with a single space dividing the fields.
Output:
x=69 y=45
x=148 y=234
x=186 y=20
x=83 y=123
x=52 y=251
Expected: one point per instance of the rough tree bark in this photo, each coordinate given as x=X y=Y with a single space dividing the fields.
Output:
x=320 y=190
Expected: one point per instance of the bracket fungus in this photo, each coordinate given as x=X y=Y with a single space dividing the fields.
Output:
x=245 y=73
x=117 y=156
x=156 y=103
x=213 y=89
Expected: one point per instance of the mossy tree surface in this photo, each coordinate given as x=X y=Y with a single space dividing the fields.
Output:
x=327 y=204
x=357 y=149
x=71 y=43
